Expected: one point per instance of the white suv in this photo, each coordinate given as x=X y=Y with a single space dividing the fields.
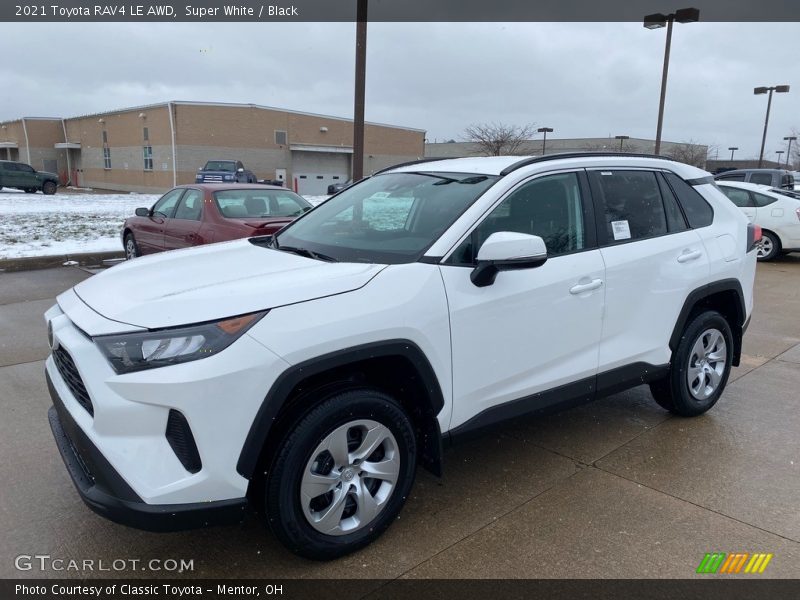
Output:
x=310 y=373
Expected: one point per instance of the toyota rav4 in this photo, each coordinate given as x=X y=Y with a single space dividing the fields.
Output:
x=309 y=374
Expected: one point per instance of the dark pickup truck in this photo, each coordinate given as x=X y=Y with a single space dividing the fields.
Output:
x=24 y=177
x=224 y=171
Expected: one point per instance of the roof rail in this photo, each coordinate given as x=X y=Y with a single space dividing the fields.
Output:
x=416 y=162
x=537 y=159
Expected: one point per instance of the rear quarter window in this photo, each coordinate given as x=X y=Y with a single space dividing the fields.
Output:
x=698 y=212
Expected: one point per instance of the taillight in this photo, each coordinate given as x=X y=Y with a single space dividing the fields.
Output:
x=797 y=212
x=754 y=235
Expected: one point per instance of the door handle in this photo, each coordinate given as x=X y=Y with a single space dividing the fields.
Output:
x=586 y=287
x=688 y=255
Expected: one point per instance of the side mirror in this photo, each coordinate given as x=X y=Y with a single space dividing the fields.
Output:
x=199 y=169
x=507 y=251
x=240 y=170
x=142 y=212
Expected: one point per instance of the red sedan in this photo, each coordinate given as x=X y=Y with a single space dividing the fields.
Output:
x=191 y=215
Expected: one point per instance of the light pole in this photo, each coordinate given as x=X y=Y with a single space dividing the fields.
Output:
x=545 y=131
x=779 y=152
x=361 y=79
x=621 y=139
x=733 y=149
x=781 y=89
x=790 y=139
x=657 y=21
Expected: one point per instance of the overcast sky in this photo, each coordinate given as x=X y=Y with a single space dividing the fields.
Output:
x=582 y=79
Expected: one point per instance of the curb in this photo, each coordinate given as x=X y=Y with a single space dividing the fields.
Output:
x=91 y=259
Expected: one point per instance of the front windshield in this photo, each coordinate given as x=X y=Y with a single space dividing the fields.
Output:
x=391 y=218
x=220 y=165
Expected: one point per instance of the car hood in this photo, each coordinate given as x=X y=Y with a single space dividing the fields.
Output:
x=46 y=175
x=213 y=282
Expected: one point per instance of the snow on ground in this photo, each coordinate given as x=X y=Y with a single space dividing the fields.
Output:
x=68 y=223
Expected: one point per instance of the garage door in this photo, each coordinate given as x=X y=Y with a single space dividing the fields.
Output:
x=313 y=172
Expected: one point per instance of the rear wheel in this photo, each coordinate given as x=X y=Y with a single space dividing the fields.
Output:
x=699 y=368
x=49 y=188
x=342 y=475
x=769 y=247
x=131 y=248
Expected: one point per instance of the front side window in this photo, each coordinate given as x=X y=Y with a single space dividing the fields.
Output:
x=548 y=206
x=147 y=155
x=254 y=204
x=761 y=178
x=166 y=204
x=739 y=197
x=191 y=206
x=632 y=205
x=391 y=218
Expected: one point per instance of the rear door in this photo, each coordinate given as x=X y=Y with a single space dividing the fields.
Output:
x=652 y=259
x=150 y=233
x=182 y=229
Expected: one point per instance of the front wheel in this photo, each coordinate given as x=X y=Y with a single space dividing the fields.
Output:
x=700 y=367
x=769 y=247
x=342 y=475
x=131 y=248
x=49 y=188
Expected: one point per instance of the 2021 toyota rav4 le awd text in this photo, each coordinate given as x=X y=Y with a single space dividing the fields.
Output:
x=309 y=374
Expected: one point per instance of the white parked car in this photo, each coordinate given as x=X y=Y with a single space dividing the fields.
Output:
x=309 y=374
x=776 y=211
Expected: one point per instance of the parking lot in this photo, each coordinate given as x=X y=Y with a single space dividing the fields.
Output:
x=618 y=488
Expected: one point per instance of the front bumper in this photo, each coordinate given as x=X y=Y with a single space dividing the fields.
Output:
x=106 y=493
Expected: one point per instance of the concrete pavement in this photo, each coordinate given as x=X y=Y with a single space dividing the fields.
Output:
x=618 y=488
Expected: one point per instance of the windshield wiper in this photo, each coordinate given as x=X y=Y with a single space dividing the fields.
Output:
x=307 y=253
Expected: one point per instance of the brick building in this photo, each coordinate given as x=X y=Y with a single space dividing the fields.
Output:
x=151 y=148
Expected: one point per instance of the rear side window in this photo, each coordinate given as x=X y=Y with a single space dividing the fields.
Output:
x=761 y=178
x=787 y=180
x=698 y=212
x=762 y=199
x=632 y=205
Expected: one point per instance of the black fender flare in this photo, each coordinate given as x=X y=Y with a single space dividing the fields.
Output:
x=697 y=296
x=279 y=393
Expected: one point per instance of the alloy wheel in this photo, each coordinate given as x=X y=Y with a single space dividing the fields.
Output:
x=706 y=364
x=764 y=248
x=350 y=477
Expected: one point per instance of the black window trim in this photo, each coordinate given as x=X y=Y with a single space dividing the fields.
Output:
x=588 y=211
x=662 y=183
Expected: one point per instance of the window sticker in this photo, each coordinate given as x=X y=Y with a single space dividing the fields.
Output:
x=606 y=173
x=621 y=229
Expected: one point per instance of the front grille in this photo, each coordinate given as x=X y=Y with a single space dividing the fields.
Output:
x=66 y=367
x=212 y=178
x=181 y=440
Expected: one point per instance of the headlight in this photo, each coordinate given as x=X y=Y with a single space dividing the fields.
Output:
x=198 y=179
x=131 y=352
x=228 y=177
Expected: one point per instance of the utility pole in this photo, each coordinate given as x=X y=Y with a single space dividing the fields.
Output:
x=360 y=91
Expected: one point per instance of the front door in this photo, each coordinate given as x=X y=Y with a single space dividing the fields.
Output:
x=150 y=234
x=532 y=330
x=182 y=230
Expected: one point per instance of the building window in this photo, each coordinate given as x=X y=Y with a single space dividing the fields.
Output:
x=105 y=136
x=106 y=157
x=147 y=154
x=146 y=134
x=280 y=137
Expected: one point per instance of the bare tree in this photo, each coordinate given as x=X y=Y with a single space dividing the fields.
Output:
x=495 y=139
x=691 y=153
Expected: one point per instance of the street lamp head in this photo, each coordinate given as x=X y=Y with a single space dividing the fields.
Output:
x=790 y=138
x=622 y=137
x=655 y=21
x=687 y=15
x=733 y=148
x=781 y=89
x=760 y=90
x=545 y=130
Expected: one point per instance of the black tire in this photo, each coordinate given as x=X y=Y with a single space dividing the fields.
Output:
x=674 y=392
x=131 y=247
x=285 y=512
x=774 y=244
x=49 y=188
